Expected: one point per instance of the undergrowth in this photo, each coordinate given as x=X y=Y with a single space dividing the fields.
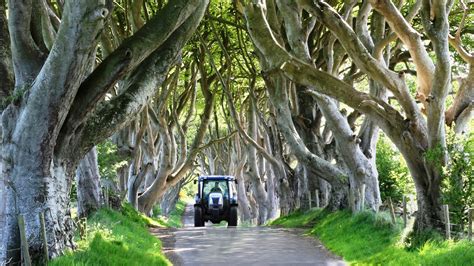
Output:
x=117 y=238
x=369 y=239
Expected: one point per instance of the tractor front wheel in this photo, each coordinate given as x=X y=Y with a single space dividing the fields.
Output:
x=232 y=216
x=198 y=219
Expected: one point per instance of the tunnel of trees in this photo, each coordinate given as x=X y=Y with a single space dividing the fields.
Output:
x=358 y=100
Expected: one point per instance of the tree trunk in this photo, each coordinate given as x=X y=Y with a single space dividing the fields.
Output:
x=273 y=203
x=253 y=170
x=169 y=199
x=34 y=186
x=428 y=191
x=88 y=184
x=238 y=160
x=244 y=204
x=338 y=199
x=135 y=181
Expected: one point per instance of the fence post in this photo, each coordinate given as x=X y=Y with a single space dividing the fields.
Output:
x=362 y=194
x=44 y=237
x=405 y=220
x=446 y=221
x=309 y=199
x=392 y=211
x=316 y=194
x=351 y=201
x=106 y=197
x=470 y=214
x=24 y=242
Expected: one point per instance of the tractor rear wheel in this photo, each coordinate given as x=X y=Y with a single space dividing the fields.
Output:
x=232 y=216
x=198 y=219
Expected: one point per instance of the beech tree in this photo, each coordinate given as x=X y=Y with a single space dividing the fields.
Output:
x=417 y=129
x=354 y=169
x=56 y=109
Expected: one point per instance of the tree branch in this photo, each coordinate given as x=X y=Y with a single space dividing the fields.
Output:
x=308 y=75
x=198 y=138
x=412 y=39
x=27 y=57
x=6 y=65
x=456 y=40
x=392 y=36
x=436 y=26
x=56 y=85
x=217 y=141
x=363 y=59
x=130 y=54
x=142 y=83
x=230 y=102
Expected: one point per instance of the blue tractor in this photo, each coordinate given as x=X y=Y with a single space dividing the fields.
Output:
x=216 y=200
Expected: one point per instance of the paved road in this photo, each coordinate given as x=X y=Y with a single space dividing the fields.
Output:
x=242 y=246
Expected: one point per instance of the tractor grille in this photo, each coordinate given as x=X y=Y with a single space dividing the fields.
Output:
x=215 y=201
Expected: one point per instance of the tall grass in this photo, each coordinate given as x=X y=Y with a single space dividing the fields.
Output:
x=369 y=239
x=117 y=238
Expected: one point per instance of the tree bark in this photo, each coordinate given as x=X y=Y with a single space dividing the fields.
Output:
x=462 y=109
x=6 y=65
x=169 y=199
x=88 y=185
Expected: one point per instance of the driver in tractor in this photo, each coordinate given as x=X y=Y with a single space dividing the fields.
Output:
x=216 y=188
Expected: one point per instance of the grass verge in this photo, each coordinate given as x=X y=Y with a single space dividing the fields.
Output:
x=117 y=238
x=368 y=239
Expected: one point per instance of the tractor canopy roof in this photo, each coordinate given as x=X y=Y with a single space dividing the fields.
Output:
x=216 y=177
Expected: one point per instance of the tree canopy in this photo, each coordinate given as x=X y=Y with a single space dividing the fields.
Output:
x=290 y=97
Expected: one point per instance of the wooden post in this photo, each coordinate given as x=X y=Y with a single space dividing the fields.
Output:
x=405 y=220
x=446 y=221
x=362 y=195
x=44 y=237
x=392 y=211
x=309 y=200
x=106 y=197
x=316 y=195
x=351 y=200
x=470 y=216
x=24 y=242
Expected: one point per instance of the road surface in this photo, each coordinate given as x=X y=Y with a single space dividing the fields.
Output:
x=212 y=245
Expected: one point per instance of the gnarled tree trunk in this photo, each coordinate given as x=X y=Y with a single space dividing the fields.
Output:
x=88 y=184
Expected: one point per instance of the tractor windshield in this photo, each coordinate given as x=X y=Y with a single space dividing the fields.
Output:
x=215 y=186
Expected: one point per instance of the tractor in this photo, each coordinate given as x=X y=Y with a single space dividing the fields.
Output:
x=216 y=200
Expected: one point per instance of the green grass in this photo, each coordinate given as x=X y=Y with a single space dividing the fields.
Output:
x=368 y=239
x=117 y=238
x=175 y=217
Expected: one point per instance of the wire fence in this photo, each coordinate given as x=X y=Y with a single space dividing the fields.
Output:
x=451 y=230
x=24 y=248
